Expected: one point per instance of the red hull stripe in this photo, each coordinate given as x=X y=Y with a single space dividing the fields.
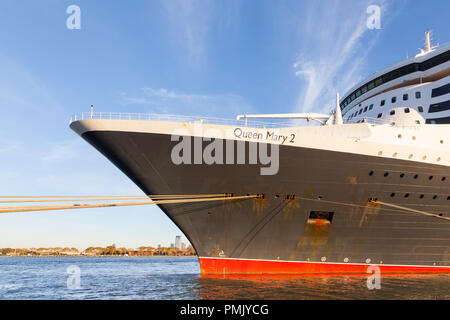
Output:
x=243 y=266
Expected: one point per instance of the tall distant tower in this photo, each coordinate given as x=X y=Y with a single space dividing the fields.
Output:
x=178 y=242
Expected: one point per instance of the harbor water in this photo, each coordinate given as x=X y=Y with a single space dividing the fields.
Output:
x=166 y=278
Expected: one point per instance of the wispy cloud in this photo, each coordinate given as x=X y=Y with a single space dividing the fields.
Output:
x=166 y=101
x=64 y=151
x=19 y=86
x=189 y=21
x=335 y=44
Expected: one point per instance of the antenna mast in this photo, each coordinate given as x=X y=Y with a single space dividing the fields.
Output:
x=428 y=46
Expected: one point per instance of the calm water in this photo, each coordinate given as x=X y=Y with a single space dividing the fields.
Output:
x=178 y=278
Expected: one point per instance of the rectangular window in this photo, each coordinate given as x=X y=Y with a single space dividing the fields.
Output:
x=365 y=109
x=380 y=115
x=418 y=95
x=436 y=92
x=420 y=109
x=394 y=99
x=364 y=89
x=322 y=215
x=358 y=93
x=378 y=82
x=392 y=112
x=441 y=106
x=371 y=85
x=360 y=111
x=371 y=107
x=382 y=102
x=405 y=97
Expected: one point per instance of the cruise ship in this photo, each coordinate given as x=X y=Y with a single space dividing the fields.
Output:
x=369 y=185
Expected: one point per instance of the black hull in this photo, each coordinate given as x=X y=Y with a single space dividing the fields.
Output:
x=286 y=230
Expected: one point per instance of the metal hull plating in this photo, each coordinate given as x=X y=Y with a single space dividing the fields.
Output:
x=279 y=235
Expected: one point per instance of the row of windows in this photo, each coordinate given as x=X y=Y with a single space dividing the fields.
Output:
x=441 y=106
x=436 y=92
x=445 y=120
x=383 y=102
x=402 y=175
x=405 y=110
x=400 y=72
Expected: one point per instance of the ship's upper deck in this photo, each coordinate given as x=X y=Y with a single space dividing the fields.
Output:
x=429 y=66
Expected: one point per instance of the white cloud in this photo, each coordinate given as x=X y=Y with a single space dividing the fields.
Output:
x=335 y=44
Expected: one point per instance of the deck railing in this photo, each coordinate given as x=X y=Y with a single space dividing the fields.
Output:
x=177 y=118
x=208 y=120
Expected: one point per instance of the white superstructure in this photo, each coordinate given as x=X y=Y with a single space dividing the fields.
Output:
x=421 y=83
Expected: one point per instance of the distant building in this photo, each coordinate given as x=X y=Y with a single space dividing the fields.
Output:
x=183 y=246
x=178 y=242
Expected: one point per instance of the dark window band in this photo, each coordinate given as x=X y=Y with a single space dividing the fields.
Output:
x=445 y=120
x=441 y=106
x=436 y=92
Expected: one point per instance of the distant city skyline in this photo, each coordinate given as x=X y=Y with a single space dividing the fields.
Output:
x=204 y=58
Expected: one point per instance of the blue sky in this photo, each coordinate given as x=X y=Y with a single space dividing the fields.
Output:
x=212 y=58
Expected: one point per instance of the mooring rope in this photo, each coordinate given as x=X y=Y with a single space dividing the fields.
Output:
x=114 y=197
x=413 y=210
x=96 y=198
x=396 y=207
x=119 y=204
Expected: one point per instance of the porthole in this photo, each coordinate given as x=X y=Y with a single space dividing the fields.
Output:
x=443 y=179
x=410 y=156
x=438 y=159
x=386 y=174
x=371 y=173
x=406 y=195
x=434 y=197
x=440 y=214
x=402 y=175
x=422 y=196
x=399 y=136
x=448 y=198
x=380 y=153
x=395 y=154
x=414 y=138
x=392 y=195
x=424 y=158
x=430 y=178
x=416 y=176
x=442 y=141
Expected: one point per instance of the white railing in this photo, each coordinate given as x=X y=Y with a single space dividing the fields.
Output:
x=177 y=118
x=207 y=120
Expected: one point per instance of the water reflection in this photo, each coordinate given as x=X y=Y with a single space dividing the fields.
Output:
x=292 y=287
